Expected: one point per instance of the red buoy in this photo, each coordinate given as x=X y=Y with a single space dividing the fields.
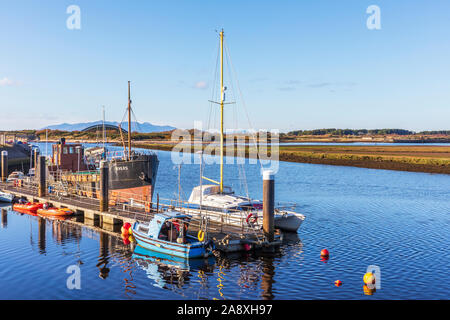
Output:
x=338 y=283
x=324 y=253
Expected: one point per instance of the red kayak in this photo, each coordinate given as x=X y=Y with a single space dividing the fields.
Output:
x=27 y=207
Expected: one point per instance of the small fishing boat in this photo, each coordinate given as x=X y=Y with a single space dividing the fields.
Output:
x=167 y=233
x=52 y=211
x=27 y=207
x=6 y=197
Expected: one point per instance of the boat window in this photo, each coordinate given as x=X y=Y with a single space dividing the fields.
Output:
x=227 y=190
x=65 y=150
x=71 y=150
x=172 y=230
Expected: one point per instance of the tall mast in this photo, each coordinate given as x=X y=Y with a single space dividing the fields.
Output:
x=221 y=111
x=104 y=133
x=129 y=122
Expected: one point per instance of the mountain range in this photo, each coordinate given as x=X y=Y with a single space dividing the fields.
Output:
x=144 y=127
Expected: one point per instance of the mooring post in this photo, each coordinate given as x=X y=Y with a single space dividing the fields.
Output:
x=36 y=158
x=42 y=188
x=104 y=202
x=4 y=166
x=268 y=204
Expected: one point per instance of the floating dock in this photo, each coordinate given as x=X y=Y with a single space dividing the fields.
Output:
x=227 y=238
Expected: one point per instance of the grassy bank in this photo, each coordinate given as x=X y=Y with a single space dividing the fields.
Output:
x=432 y=159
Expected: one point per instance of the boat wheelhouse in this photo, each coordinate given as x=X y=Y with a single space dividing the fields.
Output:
x=167 y=233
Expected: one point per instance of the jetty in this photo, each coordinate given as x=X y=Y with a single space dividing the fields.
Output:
x=102 y=209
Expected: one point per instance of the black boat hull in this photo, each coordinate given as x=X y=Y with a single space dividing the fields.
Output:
x=136 y=176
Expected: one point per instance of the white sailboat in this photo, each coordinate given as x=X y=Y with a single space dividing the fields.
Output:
x=235 y=209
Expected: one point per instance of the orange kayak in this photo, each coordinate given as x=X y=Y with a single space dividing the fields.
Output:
x=55 y=212
x=28 y=207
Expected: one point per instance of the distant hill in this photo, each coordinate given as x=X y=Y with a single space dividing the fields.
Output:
x=145 y=127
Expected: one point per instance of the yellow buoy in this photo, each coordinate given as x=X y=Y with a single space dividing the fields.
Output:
x=369 y=278
x=201 y=235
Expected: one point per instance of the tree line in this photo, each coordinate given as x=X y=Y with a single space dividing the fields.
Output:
x=360 y=132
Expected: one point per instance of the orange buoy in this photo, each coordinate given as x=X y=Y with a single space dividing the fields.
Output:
x=324 y=253
x=126 y=229
x=369 y=278
x=338 y=283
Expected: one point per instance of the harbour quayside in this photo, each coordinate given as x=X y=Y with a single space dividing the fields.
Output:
x=236 y=210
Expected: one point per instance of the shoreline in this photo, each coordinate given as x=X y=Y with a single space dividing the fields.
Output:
x=413 y=158
x=389 y=161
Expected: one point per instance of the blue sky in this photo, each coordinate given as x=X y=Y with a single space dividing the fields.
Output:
x=300 y=64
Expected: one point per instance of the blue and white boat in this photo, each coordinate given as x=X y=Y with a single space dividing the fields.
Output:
x=167 y=233
x=6 y=197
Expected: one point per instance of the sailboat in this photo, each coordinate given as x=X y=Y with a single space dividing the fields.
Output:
x=218 y=197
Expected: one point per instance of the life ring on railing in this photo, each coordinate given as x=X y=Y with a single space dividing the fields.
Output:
x=201 y=235
x=251 y=219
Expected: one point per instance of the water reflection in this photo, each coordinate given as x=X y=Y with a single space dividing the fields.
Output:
x=268 y=272
x=256 y=272
x=41 y=235
x=118 y=260
x=63 y=232
x=369 y=291
x=103 y=257
x=4 y=218
x=170 y=272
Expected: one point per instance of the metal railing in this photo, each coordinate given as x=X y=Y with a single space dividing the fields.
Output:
x=140 y=207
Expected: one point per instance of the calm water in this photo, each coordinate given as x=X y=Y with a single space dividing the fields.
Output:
x=399 y=221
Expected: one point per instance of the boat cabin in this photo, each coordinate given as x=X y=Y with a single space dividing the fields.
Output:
x=68 y=157
x=168 y=226
x=16 y=175
x=212 y=199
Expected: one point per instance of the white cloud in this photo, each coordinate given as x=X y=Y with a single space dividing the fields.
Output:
x=201 y=85
x=8 y=82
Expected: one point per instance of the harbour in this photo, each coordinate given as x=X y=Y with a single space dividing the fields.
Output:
x=347 y=210
x=246 y=154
